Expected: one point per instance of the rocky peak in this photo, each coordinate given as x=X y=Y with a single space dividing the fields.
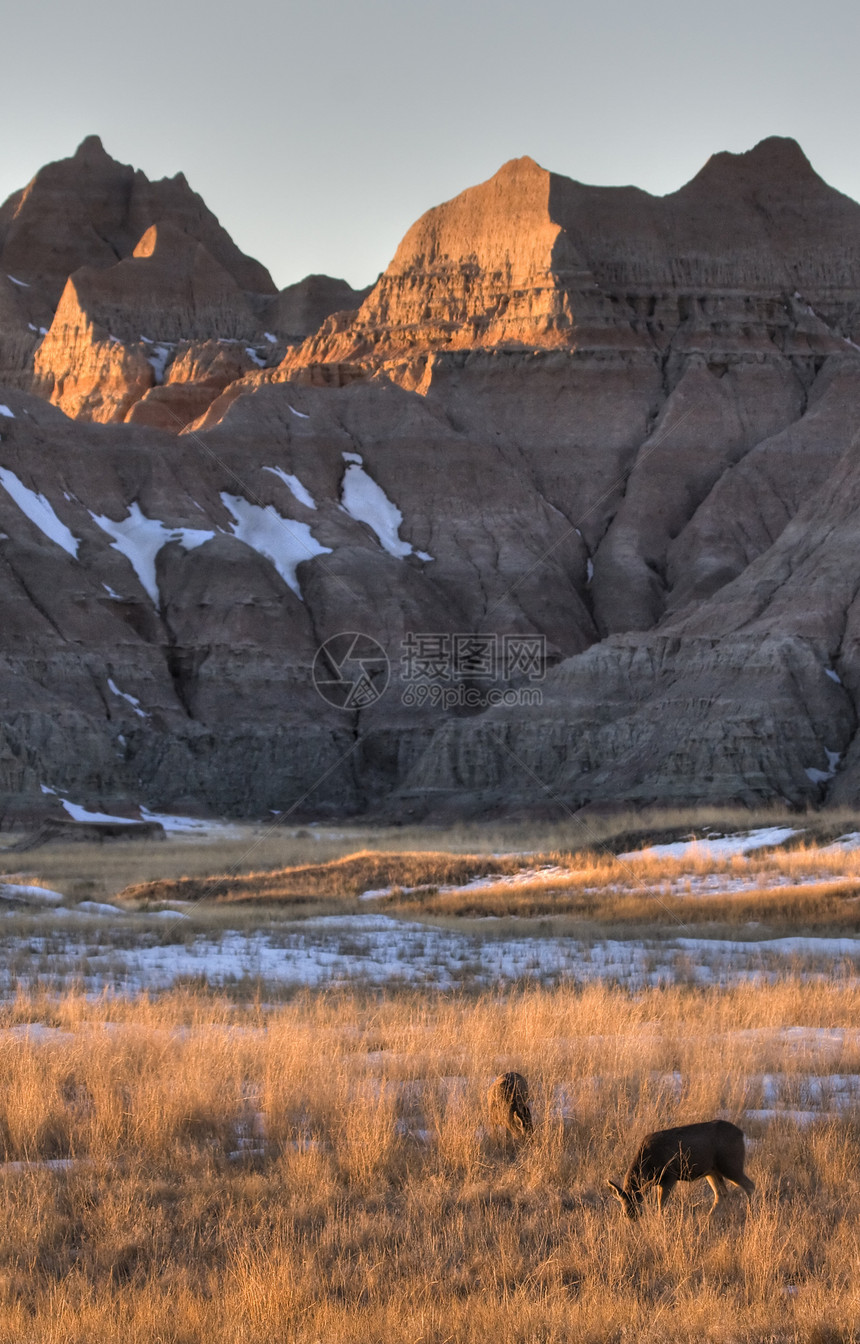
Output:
x=776 y=160
x=90 y=210
x=91 y=150
x=532 y=259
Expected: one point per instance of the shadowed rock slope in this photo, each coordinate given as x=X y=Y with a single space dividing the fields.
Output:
x=623 y=423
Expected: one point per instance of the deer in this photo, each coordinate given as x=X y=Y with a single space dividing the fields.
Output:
x=713 y=1149
x=508 y=1104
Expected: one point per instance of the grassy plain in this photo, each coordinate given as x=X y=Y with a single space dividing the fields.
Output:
x=320 y=1171
x=190 y=1167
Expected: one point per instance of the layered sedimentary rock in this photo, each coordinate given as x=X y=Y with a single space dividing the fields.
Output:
x=101 y=263
x=620 y=424
x=532 y=259
x=171 y=287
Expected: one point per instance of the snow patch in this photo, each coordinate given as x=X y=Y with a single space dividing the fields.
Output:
x=158 y=359
x=37 y=508
x=132 y=699
x=295 y=487
x=834 y=676
x=254 y=357
x=367 y=502
x=140 y=539
x=300 y=414
x=283 y=542
x=12 y=891
x=4 y=410
x=78 y=813
x=188 y=825
x=822 y=776
x=846 y=842
x=23 y=283
x=273 y=340
x=719 y=846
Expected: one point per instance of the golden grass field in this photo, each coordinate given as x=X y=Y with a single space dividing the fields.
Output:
x=192 y=1167
x=372 y=1204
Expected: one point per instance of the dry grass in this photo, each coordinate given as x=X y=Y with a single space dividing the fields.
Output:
x=803 y=889
x=337 y=879
x=100 y=871
x=799 y=888
x=378 y=1209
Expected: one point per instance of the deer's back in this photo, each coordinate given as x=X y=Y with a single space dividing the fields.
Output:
x=688 y=1152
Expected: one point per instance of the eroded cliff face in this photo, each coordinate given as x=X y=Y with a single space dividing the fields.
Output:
x=111 y=278
x=625 y=425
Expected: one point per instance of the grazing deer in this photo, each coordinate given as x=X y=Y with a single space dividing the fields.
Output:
x=508 y=1104
x=713 y=1149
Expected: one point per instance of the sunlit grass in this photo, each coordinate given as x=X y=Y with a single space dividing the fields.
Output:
x=373 y=1204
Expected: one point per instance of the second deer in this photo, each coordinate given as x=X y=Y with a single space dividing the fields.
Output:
x=508 y=1104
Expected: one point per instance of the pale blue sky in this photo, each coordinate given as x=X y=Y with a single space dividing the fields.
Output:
x=318 y=132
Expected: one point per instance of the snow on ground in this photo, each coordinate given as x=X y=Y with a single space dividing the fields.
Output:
x=78 y=813
x=5 y=410
x=140 y=539
x=720 y=847
x=300 y=414
x=548 y=875
x=24 y=284
x=846 y=842
x=367 y=502
x=718 y=884
x=205 y=827
x=40 y=512
x=282 y=541
x=14 y=891
x=295 y=487
x=686 y=884
x=376 y=949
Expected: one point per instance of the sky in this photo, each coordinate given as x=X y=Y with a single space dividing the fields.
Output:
x=319 y=131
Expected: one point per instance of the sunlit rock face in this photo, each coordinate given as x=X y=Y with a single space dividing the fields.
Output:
x=620 y=424
x=106 y=266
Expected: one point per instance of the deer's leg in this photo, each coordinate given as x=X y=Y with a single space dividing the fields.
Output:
x=664 y=1190
x=718 y=1185
x=746 y=1185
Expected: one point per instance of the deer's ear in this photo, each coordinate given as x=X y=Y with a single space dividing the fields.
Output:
x=616 y=1190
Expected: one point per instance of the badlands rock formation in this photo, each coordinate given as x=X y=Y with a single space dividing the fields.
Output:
x=114 y=283
x=623 y=424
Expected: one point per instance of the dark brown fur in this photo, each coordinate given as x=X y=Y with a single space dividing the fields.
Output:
x=508 y=1104
x=713 y=1149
